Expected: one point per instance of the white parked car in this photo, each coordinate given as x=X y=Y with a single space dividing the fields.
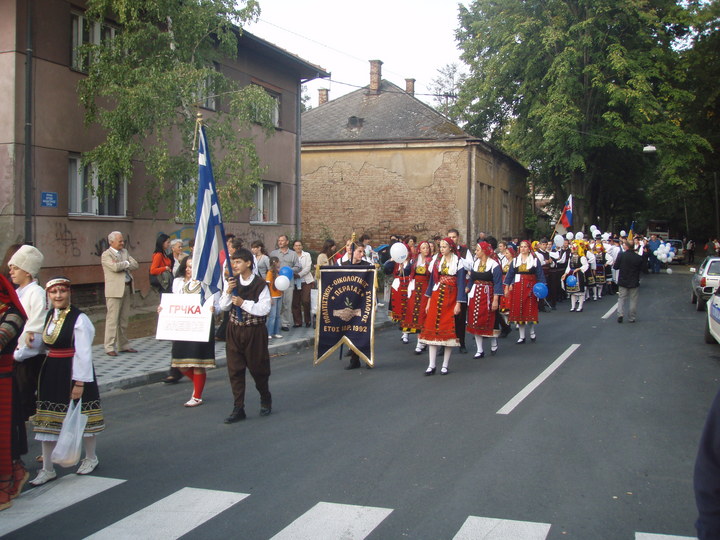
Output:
x=712 y=321
x=704 y=281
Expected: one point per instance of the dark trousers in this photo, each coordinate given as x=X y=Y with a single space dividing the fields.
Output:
x=26 y=375
x=460 y=323
x=554 y=289
x=247 y=348
x=301 y=304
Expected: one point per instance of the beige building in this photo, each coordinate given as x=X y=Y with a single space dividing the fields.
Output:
x=380 y=161
x=43 y=195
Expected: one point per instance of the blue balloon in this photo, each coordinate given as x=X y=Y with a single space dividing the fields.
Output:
x=571 y=281
x=540 y=290
x=287 y=272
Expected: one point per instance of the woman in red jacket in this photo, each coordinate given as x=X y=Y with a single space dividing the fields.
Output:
x=160 y=265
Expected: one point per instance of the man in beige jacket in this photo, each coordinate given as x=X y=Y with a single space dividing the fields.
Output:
x=117 y=264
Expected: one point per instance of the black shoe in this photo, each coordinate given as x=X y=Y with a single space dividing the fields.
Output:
x=265 y=410
x=353 y=366
x=430 y=371
x=284 y=328
x=521 y=341
x=620 y=319
x=237 y=414
x=444 y=371
x=171 y=380
x=578 y=310
x=493 y=351
x=462 y=349
x=297 y=325
x=479 y=354
x=533 y=338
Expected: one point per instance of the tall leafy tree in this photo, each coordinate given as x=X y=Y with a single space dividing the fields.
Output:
x=146 y=85
x=576 y=88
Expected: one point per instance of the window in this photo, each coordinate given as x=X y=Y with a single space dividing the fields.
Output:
x=206 y=93
x=84 y=32
x=82 y=192
x=505 y=216
x=275 y=111
x=265 y=206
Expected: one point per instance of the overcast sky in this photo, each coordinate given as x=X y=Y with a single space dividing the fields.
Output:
x=413 y=38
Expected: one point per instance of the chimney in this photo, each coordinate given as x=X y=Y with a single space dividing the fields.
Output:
x=322 y=96
x=375 y=76
x=410 y=86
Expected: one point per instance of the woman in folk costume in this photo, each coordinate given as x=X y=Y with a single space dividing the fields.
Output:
x=67 y=373
x=192 y=358
x=600 y=268
x=399 y=290
x=417 y=301
x=577 y=266
x=445 y=292
x=505 y=257
x=590 y=272
x=524 y=272
x=485 y=282
x=13 y=441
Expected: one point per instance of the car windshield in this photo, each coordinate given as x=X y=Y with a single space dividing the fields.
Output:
x=713 y=269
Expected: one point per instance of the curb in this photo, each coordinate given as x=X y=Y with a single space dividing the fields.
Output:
x=155 y=376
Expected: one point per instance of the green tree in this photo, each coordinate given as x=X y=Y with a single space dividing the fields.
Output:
x=575 y=88
x=146 y=85
x=446 y=87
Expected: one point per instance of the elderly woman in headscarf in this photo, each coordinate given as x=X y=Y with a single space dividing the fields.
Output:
x=446 y=291
x=67 y=374
x=524 y=272
x=485 y=291
x=13 y=442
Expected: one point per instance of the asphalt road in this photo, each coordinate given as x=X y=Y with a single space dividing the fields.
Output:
x=603 y=448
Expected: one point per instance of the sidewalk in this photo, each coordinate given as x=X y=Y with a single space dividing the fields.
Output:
x=152 y=361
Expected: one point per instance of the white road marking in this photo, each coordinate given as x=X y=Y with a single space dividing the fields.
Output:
x=650 y=536
x=332 y=521
x=525 y=392
x=610 y=311
x=482 y=528
x=40 y=502
x=173 y=516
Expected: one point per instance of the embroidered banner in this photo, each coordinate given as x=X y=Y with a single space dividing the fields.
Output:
x=346 y=311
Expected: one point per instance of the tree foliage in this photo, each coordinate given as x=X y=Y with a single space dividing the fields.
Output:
x=446 y=87
x=146 y=85
x=576 y=88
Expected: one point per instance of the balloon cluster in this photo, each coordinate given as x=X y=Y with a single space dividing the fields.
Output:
x=665 y=252
x=282 y=282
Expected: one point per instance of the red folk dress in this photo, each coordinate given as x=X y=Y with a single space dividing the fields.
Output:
x=399 y=292
x=523 y=276
x=480 y=315
x=445 y=288
x=417 y=301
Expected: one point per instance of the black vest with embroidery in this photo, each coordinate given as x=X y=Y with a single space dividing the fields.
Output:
x=251 y=292
x=66 y=337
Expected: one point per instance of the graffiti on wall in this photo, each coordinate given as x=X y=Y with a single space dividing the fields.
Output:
x=65 y=238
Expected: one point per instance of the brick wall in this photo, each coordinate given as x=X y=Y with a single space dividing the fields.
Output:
x=353 y=195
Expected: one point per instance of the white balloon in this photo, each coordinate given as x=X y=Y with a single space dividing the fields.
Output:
x=559 y=241
x=669 y=270
x=398 y=252
x=623 y=233
x=579 y=236
x=569 y=236
x=282 y=283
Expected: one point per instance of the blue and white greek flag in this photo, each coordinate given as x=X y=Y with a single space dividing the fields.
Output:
x=209 y=230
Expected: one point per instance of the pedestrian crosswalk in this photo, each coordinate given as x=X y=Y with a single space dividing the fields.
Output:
x=190 y=508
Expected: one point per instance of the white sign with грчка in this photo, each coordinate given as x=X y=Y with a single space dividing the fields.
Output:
x=182 y=318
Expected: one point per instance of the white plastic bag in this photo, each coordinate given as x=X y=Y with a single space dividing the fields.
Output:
x=69 y=446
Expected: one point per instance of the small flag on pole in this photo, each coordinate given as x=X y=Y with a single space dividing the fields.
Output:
x=566 y=218
x=209 y=230
x=632 y=231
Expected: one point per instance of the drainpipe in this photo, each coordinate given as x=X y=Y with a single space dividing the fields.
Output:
x=298 y=148
x=471 y=208
x=28 y=126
